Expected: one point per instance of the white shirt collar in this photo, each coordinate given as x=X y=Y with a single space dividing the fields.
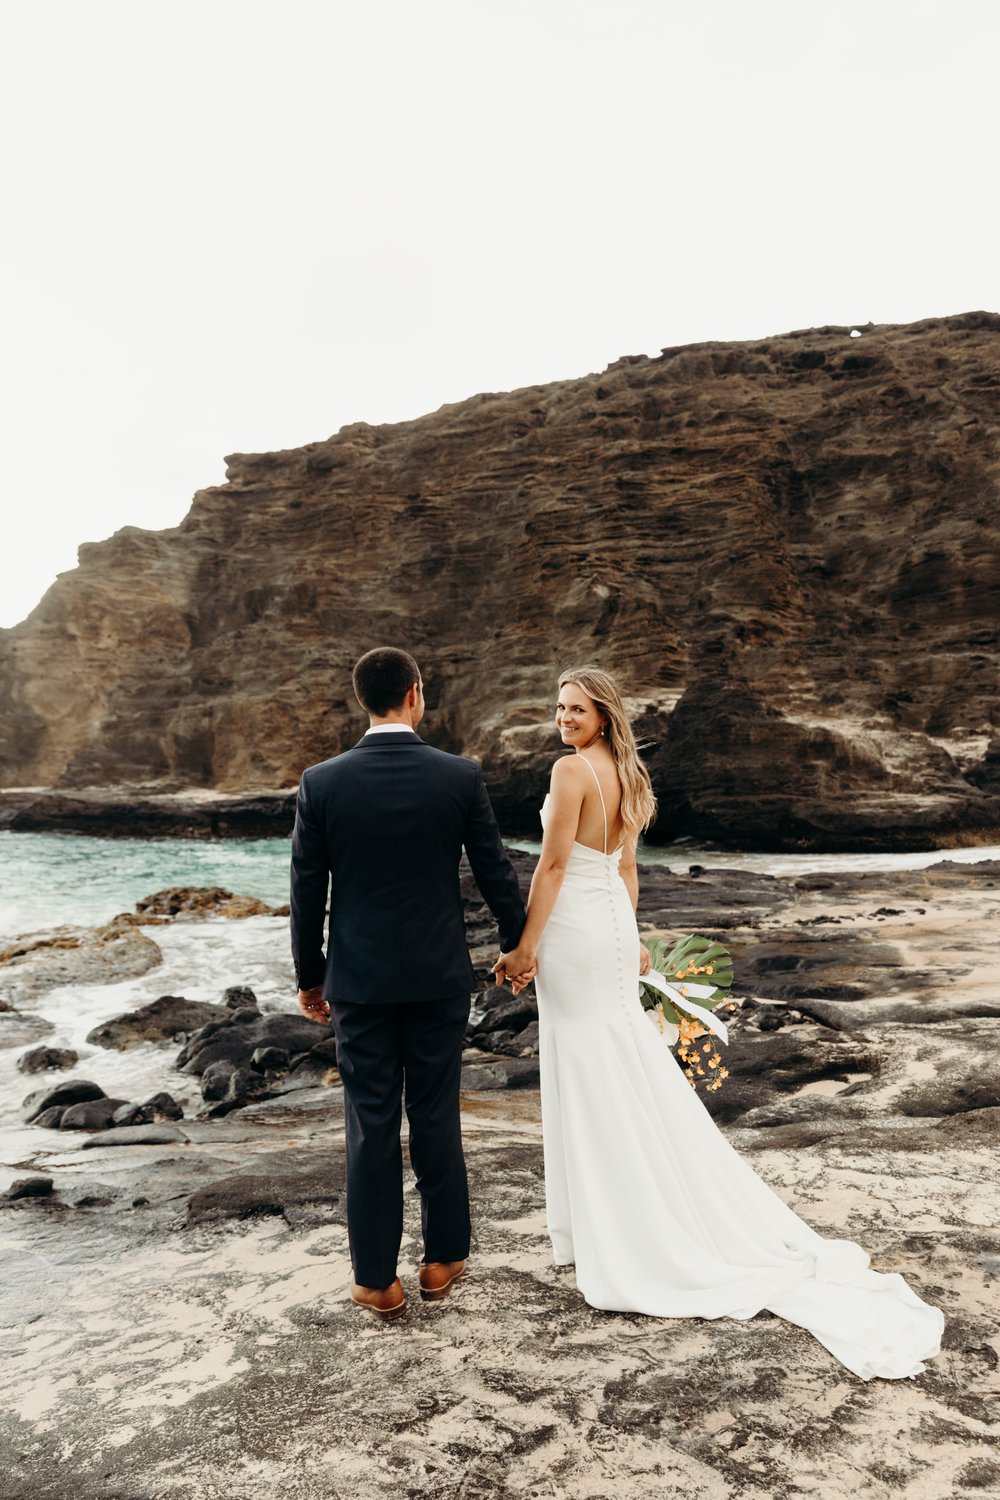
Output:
x=388 y=729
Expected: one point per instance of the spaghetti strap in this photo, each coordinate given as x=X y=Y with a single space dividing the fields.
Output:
x=604 y=810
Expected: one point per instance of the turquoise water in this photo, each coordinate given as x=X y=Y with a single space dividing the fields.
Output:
x=50 y=878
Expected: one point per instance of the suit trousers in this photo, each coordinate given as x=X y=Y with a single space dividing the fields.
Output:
x=388 y=1054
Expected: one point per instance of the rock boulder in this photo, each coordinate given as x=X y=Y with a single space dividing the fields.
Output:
x=44 y=1059
x=90 y=1114
x=40 y=961
x=160 y=1021
x=201 y=901
x=29 y=1187
x=236 y=1039
x=73 y=1091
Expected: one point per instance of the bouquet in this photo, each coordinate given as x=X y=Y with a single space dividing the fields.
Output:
x=682 y=1004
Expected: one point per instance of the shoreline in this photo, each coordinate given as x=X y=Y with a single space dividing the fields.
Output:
x=203 y=814
x=123 y=812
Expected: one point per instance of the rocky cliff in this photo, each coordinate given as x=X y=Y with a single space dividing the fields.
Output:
x=789 y=550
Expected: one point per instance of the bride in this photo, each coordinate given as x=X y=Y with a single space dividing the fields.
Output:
x=644 y=1194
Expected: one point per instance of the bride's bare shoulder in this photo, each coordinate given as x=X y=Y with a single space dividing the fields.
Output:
x=566 y=770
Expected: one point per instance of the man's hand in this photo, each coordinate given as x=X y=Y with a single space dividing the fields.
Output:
x=519 y=966
x=313 y=1006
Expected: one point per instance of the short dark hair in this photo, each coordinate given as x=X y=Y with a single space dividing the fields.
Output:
x=382 y=679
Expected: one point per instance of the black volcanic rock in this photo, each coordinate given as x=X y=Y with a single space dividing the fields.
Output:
x=235 y=1040
x=247 y=1055
x=161 y=1107
x=116 y=812
x=499 y=1072
x=91 y=1114
x=247 y=1195
x=239 y=997
x=73 y=1091
x=45 y=1059
x=29 y=1187
x=49 y=1118
x=159 y=1021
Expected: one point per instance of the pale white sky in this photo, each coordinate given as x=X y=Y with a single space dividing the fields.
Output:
x=231 y=225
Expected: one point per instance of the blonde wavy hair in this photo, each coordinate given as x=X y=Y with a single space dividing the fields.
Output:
x=638 y=799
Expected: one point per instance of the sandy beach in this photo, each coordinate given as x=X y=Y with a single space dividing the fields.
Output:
x=175 y=1315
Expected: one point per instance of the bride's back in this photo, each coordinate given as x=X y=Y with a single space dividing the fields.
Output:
x=590 y=829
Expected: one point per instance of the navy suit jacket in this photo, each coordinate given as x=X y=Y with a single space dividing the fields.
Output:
x=386 y=823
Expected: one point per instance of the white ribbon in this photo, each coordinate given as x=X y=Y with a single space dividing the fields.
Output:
x=680 y=1001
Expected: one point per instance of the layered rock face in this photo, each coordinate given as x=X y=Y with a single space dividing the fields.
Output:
x=787 y=550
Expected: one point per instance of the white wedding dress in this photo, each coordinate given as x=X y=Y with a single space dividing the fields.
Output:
x=644 y=1193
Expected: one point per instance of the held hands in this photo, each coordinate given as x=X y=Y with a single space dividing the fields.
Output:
x=519 y=966
x=313 y=1006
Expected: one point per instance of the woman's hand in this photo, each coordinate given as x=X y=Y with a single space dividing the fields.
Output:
x=645 y=962
x=518 y=966
x=520 y=982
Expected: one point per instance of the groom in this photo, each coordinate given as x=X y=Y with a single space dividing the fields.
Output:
x=388 y=820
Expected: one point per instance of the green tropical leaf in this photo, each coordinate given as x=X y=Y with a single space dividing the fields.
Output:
x=695 y=951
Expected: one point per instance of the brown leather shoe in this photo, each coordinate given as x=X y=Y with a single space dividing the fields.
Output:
x=385 y=1304
x=436 y=1277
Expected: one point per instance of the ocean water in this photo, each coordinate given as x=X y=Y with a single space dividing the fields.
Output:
x=47 y=879
x=201 y=957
